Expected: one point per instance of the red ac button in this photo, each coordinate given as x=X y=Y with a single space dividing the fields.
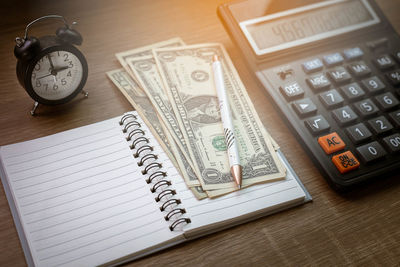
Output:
x=331 y=143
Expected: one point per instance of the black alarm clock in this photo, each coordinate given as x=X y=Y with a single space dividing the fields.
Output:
x=50 y=68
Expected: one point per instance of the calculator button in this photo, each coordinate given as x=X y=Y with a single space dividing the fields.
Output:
x=353 y=53
x=304 y=107
x=352 y=91
x=395 y=117
x=392 y=142
x=358 y=133
x=373 y=84
x=371 y=151
x=373 y=45
x=292 y=91
x=333 y=59
x=317 y=124
x=384 y=62
x=366 y=108
x=345 y=162
x=359 y=69
x=380 y=125
x=394 y=77
x=331 y=143
x=331 y=98
x=386 y=101
x=312 y=65
x=344 y=115
x=339 y=75
x=318 y=82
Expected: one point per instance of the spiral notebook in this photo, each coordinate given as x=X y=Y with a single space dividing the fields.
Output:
x=88 y=196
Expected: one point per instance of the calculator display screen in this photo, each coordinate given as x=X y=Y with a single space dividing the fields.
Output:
x=307 y=24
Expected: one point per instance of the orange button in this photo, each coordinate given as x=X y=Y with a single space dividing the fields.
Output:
x=331 y=143
x=345 y=162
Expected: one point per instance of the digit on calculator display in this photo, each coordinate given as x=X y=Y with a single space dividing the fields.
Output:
x=303 y=25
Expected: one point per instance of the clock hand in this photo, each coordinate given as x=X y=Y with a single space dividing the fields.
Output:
x=51 y=62
x=47 y=75
x=60 y=69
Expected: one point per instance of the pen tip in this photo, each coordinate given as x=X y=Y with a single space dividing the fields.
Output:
x=236 y=171
x=215 y=58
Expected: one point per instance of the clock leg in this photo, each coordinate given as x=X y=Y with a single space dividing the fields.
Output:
x=85 y=93
x=34 y=108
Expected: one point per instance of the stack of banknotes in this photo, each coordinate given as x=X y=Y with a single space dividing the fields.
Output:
x=170 y=84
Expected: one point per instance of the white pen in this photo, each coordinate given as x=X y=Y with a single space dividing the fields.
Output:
x=226 y=117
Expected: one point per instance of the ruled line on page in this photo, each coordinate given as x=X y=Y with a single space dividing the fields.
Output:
x=248 y=191
x=97 y=220
x=71 y=165
x=235 y=204
x=54 y=145
x=75 y=181
x=80 y=188
x=109 y=247
x=84 y=206
x=103 y=229
x=79 y=198
x=102 y=239
x=88 y=214
x=57 y=160
x=69 y=174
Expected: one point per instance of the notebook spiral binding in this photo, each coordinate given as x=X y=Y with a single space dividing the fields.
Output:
x=156 y=176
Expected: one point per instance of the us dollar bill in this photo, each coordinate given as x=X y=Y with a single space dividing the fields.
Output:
x=145 y=51
x=143 y=106
x=146 y=72
x=188 y=80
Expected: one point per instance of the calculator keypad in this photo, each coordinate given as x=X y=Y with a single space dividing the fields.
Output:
x=392 y=142
x=345 y=162
x=366 y=108
x=339 y=75
x=395 y=117
x=371 y=152
x=380 y=125
x=373 y=84
x=350 y=104
x=358 y=133
x=318 y=82
x=384 y=62
x=352 y=91
x=331 y=98
x=344 y=115
x=386 y=101
x=359 y=69
x=304 y=107
x=353 y=53
x=292 y=91
x=394 y=77
x=317 y=124
x=333 y=59
x=312 y=65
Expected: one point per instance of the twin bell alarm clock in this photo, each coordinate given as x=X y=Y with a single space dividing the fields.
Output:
x=50 y=68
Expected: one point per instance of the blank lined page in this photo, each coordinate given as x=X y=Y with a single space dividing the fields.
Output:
x=210 y=214
x=81 y=197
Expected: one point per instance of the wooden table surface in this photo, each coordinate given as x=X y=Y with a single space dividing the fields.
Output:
x=362 y=228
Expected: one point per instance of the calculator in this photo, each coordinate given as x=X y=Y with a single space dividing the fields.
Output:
x=333 y=70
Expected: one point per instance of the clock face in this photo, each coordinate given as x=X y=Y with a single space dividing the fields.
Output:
x=56 y=75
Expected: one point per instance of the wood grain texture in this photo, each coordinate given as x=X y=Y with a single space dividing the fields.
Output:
x=358 y=229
